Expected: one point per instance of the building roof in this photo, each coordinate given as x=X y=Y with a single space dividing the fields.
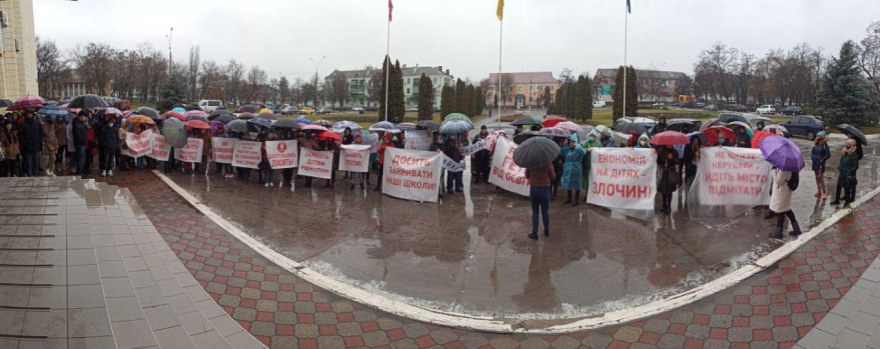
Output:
x=611 y=73
x=544 y=77
x=353 y=74
x=367 y=73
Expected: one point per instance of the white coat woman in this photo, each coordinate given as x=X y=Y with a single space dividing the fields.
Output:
x=780 y=201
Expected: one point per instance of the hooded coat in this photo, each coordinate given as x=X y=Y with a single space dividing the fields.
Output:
x=572 y=168
x=780 y=198
x=592 y=142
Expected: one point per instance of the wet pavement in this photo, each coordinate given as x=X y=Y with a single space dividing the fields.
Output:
x=477 y=259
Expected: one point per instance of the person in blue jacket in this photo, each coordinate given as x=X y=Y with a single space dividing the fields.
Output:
x=572 y=169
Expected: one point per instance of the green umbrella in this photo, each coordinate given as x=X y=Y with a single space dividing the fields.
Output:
x=457 y=116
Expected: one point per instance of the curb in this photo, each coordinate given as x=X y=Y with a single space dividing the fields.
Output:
x=525 y=326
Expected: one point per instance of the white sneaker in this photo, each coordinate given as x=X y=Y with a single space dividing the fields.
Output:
x=110 y=173
x=266 y=185
x=291 y=189
x=271 y=184
x=103 y=173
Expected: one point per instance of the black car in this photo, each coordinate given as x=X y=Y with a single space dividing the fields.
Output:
x=792 y=111
x=804 y=125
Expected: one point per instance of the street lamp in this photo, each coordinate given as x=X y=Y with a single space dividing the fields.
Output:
x=318 y=64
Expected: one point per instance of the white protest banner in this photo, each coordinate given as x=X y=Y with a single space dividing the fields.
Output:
x=411 y=174
x=373 y=140
x=247 y=154
x=281 y=154
x=138 y=144
x=355 y=158
x=473 y=148
x=191 y=151
x=159 y=148
x=733 y=176
x=452 y=166
x=623 y=178
x=505 y=173
x=418 y=139
x=313 y=163
x=222 y=149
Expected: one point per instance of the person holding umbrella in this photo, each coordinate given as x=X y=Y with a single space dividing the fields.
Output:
x=591 y=142
x=108 y=140
x=453 y=179
x=355 y=178
x=60 y=129
x=787 y=161
x=482 y=159
x=572 y=170
x=536 y=155
x=79 y=135
x=847 y=180
x=386 y=143
x=30 y=136
x=669 y=164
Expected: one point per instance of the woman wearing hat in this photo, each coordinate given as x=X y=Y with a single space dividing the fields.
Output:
x=818 y=155
x=846 y=180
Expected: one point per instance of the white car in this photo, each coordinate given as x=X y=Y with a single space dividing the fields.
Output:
x=658 y=105
x=209 y=105
x=766 y=109
x=598 y=104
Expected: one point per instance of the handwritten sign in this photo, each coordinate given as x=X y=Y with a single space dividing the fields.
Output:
x=191 y=151
x=411 y=174
x=733 y=176
x=313 y=163
x=473 y=148
x=222 y=149
x=505 y=174
x=247 y=154
x=623 y=178
x=355 y=158
x=281 y=154
x=160 y=149
x=138 y=144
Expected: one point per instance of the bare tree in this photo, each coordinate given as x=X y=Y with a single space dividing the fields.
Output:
x=507 y=84
x=256 y=81
x=93 y=62
x=869 y=54
x=209 y=81
x=193 y=73
x=339 y=89
x=51 y=68
x=234 y=77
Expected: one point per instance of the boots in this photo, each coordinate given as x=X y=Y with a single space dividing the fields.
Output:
x=568 y=199
x=777 y=233
x=795 y=229
x=577 y=198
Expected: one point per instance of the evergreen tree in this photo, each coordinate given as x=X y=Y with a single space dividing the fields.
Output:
x=470 y=100
x=459 y=104
x=481 y=100
x=426 y=98
x=447 y=94
x=547 y=97
x=558 y=101
x=584 y=110
x=632 y=93
x=171 y=94
x=617 y=95
x=382 y=89
x=845 y=97
x=397 y=100
x=571 y=94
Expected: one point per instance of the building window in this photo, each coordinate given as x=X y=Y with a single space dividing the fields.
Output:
x=407 y=90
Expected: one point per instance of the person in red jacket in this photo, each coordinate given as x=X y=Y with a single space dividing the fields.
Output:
x=386 y=143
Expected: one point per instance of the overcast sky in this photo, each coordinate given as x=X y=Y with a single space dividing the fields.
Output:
x=462 y=35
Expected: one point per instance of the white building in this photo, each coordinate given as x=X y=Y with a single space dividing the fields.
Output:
x=18 y=49
x=360 y=83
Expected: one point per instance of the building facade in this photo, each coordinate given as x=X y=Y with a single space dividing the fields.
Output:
x=360 y=84
x=521 y=89
x=653 y=85
x=18 y=49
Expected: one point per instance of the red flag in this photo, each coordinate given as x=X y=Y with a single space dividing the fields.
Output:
x=390 y=9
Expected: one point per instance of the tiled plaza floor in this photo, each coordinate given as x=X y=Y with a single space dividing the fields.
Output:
x=774 y=308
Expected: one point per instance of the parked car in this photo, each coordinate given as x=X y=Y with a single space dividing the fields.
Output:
x=792 y=110
x=598 y=104
x=739 y=108
x=412 y=110
x=209 y=105
x=710 y=107
x=804 y=126
x=307 y=111
x=436 y=109
x=359 y=110
x=728 y=117
x=289 y=111
x=324 y=110
x=658 y=105
x=766 y=109
x=371 y=108
x=247 y=108
x=623 y=124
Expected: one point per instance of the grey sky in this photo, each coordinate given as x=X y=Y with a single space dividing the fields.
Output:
x=461 y=35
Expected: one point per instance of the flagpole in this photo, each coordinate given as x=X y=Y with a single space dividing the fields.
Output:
x=387 y=65
x=499 y=95
x=625 y=68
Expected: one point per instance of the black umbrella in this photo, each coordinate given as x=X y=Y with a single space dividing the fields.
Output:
x=286 y=123
x=239 y=126
x=428 y=124
x=225 y=118
x=633 y=128
x=217 y=112
x=523 y=136
x=535 y=152
x=174 y=131
x=5 y=103
x=850 y=129
x=245 y=116
x=679 y=124
x=147 y=111
x=88 y=102
x=528 y=120
x=215 y=115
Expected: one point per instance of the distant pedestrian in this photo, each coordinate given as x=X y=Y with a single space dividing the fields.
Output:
x=818 y=156
x=50 y=145
x=386 y=143
x=356 y=178
x=79 y=137
x=784 y=184
x=539 y=196
x=453 y=179
x=30 y=136
x=670 y=179
x=9 y=143
x=846 y=179
x=481 y=159
x=743 y=140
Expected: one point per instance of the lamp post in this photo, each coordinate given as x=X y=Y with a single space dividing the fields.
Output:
x=317 y=64
x=170 y=60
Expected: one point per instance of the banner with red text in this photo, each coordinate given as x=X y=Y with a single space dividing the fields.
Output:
x=313 y=163
x=733 y=176
x=159 y=148
x=355 y=158
x=138 y=144
x=247 y=154
x=411 y=174
x=222 y=149
x=623 y=178
x=282 y=154
x=505 y=173
x=191 y=151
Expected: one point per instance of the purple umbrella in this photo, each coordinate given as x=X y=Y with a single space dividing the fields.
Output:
x=217 y=127
x=782 y=153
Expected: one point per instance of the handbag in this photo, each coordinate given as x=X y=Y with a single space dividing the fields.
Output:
x=2 y=153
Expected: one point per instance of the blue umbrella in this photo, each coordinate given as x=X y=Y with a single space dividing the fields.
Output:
x=455 y=127
x=302 y=120
x=384 y=126
x=782 y=153
x=179 y=110
x=260 y=122
x=53 y=110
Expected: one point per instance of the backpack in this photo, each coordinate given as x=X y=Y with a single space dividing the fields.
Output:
x=794 y=181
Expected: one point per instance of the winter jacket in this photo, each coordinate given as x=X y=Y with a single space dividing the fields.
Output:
x=49 y=139
x=819 y=154
x=780 y=198
x=108 y=137
x=30 y=136
x=80 y=133
x=572 y=169
x=60 y=134
x=668 y=163
x=541 y=177
x=9 y=139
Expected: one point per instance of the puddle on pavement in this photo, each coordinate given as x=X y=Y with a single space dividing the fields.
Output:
x=478 y=260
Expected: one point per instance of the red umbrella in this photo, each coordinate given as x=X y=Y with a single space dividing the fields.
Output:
x=327 y=135
x=198 y=124
x=552 y=120
x=27 y=101
x=713 y=134
x=669 y=138
x=174 y=114
x=759 y=136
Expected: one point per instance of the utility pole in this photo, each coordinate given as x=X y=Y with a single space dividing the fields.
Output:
x=318 y=64
x=170 y=60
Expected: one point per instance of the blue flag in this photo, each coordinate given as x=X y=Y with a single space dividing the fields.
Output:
x=628 y=7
